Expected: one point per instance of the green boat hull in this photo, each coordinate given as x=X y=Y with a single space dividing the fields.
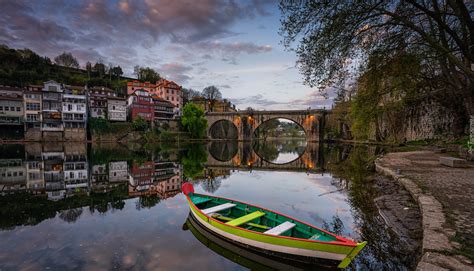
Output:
x=296 y=242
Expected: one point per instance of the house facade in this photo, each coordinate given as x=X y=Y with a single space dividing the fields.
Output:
x=32 y=103
x=117 y=109
x=163 y=110
x=52 y=122
x=74 y=113
x=140 y=104
x=11 y=106
x=169 y=91
x=98 y=101
x=135 y=84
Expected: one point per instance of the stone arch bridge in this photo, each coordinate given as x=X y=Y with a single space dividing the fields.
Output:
x=241 y=125
x=242 y=156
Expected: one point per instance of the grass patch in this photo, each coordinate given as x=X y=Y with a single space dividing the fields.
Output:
x=467 y=244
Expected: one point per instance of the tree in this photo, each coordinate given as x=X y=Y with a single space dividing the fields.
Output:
x=117 y=71
x=331 y=32
x=193 y=120
x=140 y=124
x=66 y=60
x=99 y=69
x=188 y=94
x=146 y=74
x=89 y=69
x=212 y=95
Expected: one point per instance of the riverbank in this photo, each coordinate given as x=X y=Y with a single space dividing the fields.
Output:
x=444 y=195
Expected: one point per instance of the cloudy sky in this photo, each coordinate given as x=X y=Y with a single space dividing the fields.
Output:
x=231 y=44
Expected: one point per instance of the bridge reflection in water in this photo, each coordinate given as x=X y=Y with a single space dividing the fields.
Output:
x=240 y=155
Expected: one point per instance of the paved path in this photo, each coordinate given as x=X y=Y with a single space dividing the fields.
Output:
x=446 y=199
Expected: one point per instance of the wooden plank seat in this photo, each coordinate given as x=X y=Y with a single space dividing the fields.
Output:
x=218 y=208
x=283 y=227
x=246 y=218
x=225 y=218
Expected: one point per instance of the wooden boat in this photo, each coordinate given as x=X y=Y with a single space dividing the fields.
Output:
x=260 y=228
x=245 y=256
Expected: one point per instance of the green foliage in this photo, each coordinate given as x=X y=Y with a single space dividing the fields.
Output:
x=385 y=88
x=99 y=125
x=23 y=67
x=167 y=136
x=193 y=121
x=139 y=124
x=193 y=161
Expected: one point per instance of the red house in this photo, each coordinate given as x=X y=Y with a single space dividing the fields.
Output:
x=140 y=104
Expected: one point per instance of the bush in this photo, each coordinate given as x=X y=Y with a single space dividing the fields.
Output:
x=139 y=124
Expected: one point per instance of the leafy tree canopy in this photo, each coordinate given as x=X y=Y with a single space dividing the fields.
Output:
x=336 y=37
x=146 y=74
x=193 y=120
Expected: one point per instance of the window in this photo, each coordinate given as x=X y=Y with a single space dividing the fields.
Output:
x=32 y=106
x=12 y=108
x=113 y=107
x=71 y=175
x=172 y=91
x=52 y=88
x=1 y=108
x=18 y=109
x=31 y=117
x=7 y=108
x=69 y=107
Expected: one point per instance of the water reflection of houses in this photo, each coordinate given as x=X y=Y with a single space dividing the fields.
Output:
x=105 y=177
x=12 y=175
x=53 y=174
x=155 y=178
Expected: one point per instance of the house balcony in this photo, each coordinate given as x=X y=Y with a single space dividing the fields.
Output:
x=52 y=129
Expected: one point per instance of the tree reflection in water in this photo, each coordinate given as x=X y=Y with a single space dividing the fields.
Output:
x=71 y=215
x=192 y=161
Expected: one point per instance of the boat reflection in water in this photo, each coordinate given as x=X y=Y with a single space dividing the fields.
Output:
x=246 y=256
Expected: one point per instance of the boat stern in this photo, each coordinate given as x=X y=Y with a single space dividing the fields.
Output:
x=347 y=260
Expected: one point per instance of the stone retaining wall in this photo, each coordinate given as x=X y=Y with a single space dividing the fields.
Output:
x=436 y=238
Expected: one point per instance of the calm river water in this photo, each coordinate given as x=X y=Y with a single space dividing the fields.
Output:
x=102 y=207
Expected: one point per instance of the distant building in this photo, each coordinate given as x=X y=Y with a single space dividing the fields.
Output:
x=170 y=91
x=117 y=109
x=140 y=104
x=11 y=106
x=218 y=106
x=135 y=84
x=32 y=103
x=52 y=107
x=164 y=110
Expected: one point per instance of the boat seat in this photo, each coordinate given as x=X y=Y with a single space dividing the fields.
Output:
x=281 y=228
x=218 y=208
x=246 y=218
x=221 y=217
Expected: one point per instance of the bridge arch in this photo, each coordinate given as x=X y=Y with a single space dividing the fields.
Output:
x=223 y=129
x=265 y=121
x=266 y=160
